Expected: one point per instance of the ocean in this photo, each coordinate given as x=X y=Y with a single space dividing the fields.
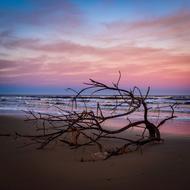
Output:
x=52 y=104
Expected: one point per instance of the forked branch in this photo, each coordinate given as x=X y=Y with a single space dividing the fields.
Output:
x=78 y=128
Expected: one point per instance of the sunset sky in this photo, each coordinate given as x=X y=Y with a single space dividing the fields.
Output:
x=49 y=45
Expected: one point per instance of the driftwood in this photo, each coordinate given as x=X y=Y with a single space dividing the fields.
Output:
x=79 y=128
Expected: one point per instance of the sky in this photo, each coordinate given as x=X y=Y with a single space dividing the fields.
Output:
x=47 y=46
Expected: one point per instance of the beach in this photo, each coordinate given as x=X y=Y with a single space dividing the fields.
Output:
x=95 y=95
x=158 y=166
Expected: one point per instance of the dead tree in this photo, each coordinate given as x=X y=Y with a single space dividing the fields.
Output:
x=78 y=128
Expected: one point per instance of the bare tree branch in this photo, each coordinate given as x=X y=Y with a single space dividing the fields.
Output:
x=78 y=128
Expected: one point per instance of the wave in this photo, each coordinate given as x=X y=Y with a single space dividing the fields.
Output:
x=52 y=104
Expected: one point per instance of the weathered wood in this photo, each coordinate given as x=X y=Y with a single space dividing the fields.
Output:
x=85 y=128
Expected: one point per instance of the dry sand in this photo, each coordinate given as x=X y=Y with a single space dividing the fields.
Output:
x=163 y=166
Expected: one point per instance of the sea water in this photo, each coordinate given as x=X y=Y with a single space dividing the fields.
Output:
x=52 y=104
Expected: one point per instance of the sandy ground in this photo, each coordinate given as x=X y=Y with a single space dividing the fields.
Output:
x=163 y=166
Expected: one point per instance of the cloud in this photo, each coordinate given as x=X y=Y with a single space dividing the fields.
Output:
x=63 y=15
x=170 y=31
x=151 y=52
x=41 y=70
x=142 y=66
x=61 y=46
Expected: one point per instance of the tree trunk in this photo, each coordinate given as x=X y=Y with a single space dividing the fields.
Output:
x=154 y=132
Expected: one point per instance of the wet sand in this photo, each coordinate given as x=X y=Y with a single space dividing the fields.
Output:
x=161 y=166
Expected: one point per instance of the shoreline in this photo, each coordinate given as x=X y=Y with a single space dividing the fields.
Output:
x=172 y=127
x=162 y=166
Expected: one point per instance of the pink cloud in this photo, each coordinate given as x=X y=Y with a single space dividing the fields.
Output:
x=141 y=66
x=171 y=30
x=152 y=52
